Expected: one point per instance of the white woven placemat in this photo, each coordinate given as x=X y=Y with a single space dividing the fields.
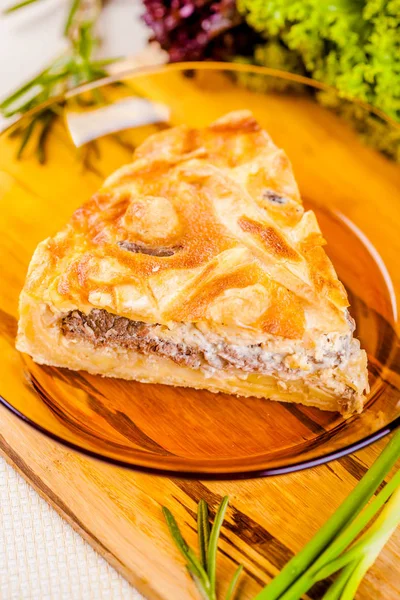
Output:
x=41 y=556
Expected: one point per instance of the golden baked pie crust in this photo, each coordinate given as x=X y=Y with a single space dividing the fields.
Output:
x=204 y=226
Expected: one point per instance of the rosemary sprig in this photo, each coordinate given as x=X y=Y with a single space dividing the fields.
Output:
x=204 y=570
x=75 y=67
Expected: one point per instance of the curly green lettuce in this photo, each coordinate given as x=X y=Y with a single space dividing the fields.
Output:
x=353 y=45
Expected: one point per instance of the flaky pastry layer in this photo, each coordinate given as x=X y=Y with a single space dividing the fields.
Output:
x=205 y=229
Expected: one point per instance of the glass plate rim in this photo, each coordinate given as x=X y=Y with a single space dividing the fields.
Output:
x=210 y=474
x=197 y=65
x=199 y=473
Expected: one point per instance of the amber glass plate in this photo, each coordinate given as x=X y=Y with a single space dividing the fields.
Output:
x=355 y=192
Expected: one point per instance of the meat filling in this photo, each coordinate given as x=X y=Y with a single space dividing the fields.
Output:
x=189 y=346
x=104 y=328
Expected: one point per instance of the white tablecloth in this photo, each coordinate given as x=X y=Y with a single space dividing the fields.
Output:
x=41 y=557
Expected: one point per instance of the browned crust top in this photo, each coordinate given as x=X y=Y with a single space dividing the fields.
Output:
x=203 y=225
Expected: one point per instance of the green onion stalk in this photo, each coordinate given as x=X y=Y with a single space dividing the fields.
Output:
x=336 y=546
x=348 y=544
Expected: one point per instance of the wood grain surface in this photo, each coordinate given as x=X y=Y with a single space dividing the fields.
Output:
x=119 y=513
x=118 y=510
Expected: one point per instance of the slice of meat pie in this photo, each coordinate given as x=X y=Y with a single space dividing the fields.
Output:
x=196 y=265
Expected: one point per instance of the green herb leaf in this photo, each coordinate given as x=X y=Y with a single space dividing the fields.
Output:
x=73 y=68
x=193 y=562
x=86 y=41
x=234 y=581
x=28 y=91
x=213 y=544
x=23 y=105
x=20 y=92
x=72 y=11
x=203 y=530
x=175 y=531
x=203 y=592
x=18 y=6
x=25 y=138
x=204 y=577
x=48 y=119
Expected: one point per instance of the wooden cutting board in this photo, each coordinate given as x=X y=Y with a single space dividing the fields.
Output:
x=119 y=513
